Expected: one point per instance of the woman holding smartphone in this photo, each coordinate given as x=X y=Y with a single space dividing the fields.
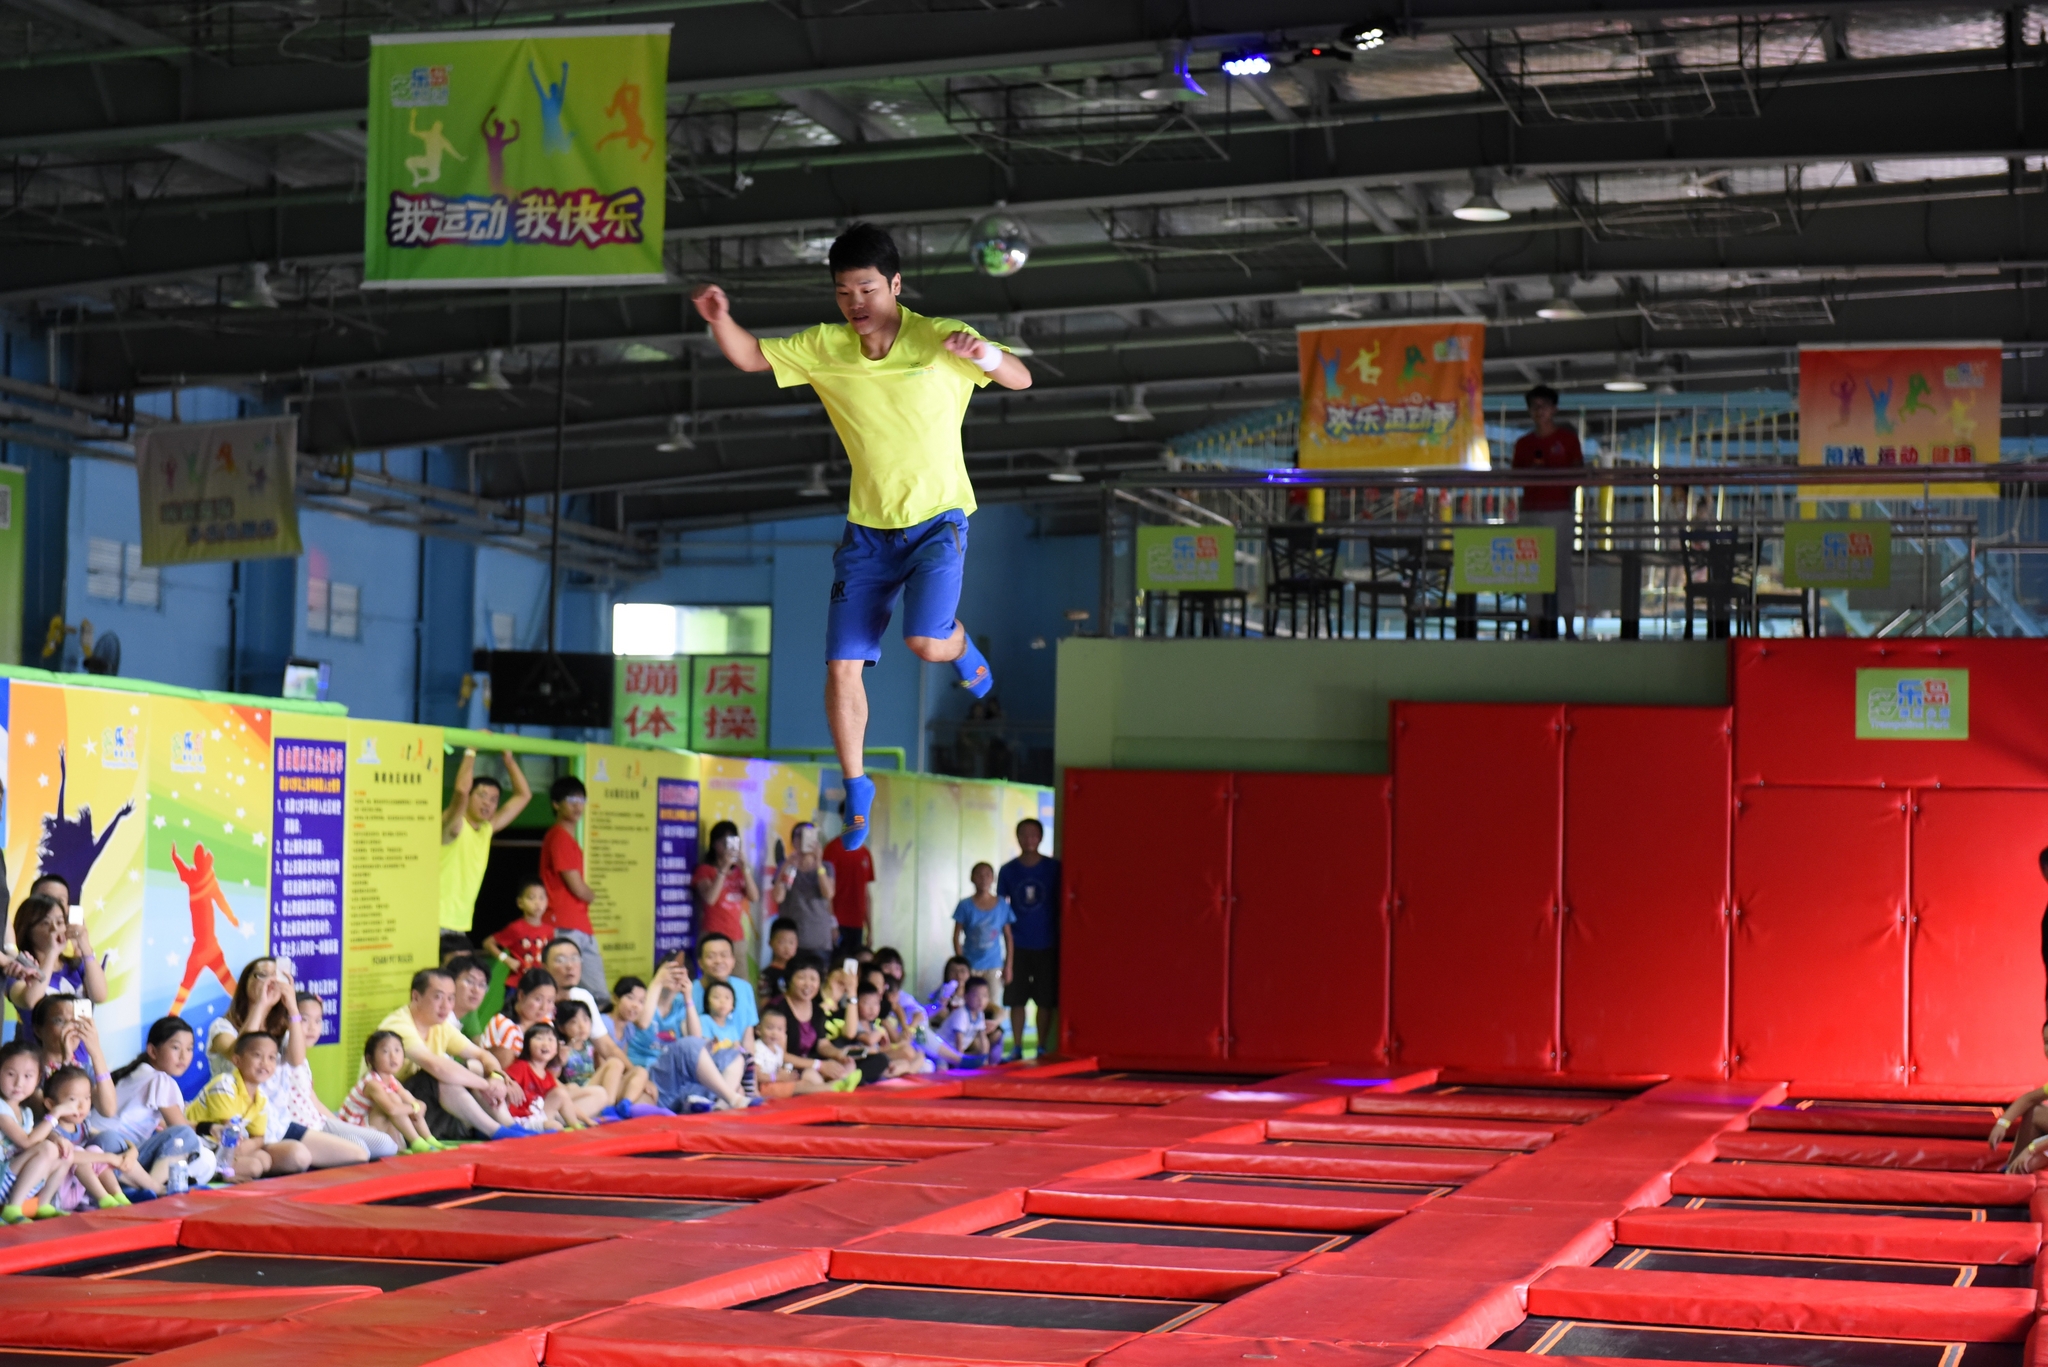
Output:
x=43 y=929
x=803 y=890
x=725 y=886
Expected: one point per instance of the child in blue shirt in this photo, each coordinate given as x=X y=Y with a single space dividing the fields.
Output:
x=721 y=1021
x=981 y=925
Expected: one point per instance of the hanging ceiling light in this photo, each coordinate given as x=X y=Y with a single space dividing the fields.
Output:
x=1132 y=409
x=1068 y=470
x=252 y=288
x=488 y=371
x=1481 y=207
x=1624 y=381
x=814 y=487
x=678 y=438
x=1667 y=379
x=1560 y=307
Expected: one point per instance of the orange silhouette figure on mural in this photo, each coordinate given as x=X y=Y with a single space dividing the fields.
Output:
x=205 y=894
x=625 y=107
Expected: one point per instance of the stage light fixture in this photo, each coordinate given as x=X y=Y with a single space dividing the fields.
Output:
x=1132 y=409
x=1247 y=64
x=1067 y=471
x=1481 y=207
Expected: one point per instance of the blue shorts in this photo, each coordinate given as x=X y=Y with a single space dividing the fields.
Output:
x=872 y=567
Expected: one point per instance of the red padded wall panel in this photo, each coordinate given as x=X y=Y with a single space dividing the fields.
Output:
x=1308 y=865
x=1645 y=935
x=1477 y=796
x=1144 y=939
x=1977 y=895
x=1819 y=961
x=1796 y=705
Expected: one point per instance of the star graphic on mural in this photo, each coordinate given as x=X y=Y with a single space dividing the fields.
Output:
x=135 y=711
x=134 y=877
x=92 y=747
x=42 y=780
x=100 y=904
x=228 y=826
x=161 y=823
x=29 y=739
x=241 y=811
x=256 y=839
x=187 y=823
x=215 y=734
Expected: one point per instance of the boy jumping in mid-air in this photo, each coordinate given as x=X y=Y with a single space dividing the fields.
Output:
x=895 y=385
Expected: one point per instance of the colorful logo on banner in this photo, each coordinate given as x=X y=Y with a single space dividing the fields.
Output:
x=729 y=704
x=675 y=864
x=1908 y=407
x=527 y=157
x=1406 y=394
x=1187 y=558
x=218 y=490
x=309 y=829
x=647 y=699
x=1504 y=560
x=1912 y=704
x=1838 y=555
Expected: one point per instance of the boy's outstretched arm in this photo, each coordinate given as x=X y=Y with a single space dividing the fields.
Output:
x=1008 y=371
x=740 y=346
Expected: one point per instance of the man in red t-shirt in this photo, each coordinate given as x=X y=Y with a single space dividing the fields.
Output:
x=853 y=893
x=569 y=896
x=1550 y=445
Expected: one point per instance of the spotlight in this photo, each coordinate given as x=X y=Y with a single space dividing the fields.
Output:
x=1560 y=307
x=1247 y=64
x=1132 y=409
x=814 y=487
x=678 y=438
x=488 y=371
x=1365 y=39
x=1066 y=472
x=1482 y=207
x=252 y=289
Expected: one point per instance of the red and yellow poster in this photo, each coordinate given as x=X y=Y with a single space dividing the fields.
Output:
x=1930 y=407
x=1406 y=394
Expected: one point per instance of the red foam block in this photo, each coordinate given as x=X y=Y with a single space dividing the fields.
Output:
x=133 y=1315
x=1468 y=1312
x=392 y=1231
x=965 y=1114
x=1210 y=1350
x=1331 y=1210
x=727 y=1179
x=809 y=1142
x=48 y=1243
x=1562 y=1110
x=1443 y=1240
x=1861 y=1151
x=1987 y=1314
x=1800 y=1182
x=1333 y=1160
x=1064 y=1266
x=1844 y=1236
x=1410 y=1129
x=1021 y=1164
x=636 y=1335
x=1874 y=1120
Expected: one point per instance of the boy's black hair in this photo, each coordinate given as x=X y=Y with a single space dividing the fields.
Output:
x=781 y=1013
x=60 y=880
x=454 y=944
x=304 y=996
x=467 y=963
x=486 y=781
x=865 y=245
x=867 y=990
x=885 y=955
x=532 y=880
x=54 y=1083
x=1541 y=391
x=248 y=1040
x=956 y=959
x=526 y=1043
x=721 y=935
x=566 y=787
x=629 y=983
x=780 y=924
x=980 y=864
x=566 y=1011
x=549 y=947
x=426 y=976
x=710 y=983
x=376 y=1038
x=1032 y=821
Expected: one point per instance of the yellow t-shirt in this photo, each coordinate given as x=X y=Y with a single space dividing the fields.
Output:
x=899 y=417
x=223 y=1098
x=463 y=861
x=445 y=1038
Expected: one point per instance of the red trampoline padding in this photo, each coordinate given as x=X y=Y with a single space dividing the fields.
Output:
x=383 y=1185
x=1849 y=1236
x=1209 y=1350
x=49 y=1242
x=1080 y=1093
x=1024 y=1163
x=1333 y=1160
x=737 y=1285
x=1863 y=1151
x=138 y=1316
x=1486 y=1357
x=847 y=1211
x=1469 y=1313
x=1444 y=1241
x=1562 y=1110
x=392 y=1231
x=964 y=1114
x=1984 y=1314
x=1409 y=1129
x=636 y=1334
x=1157 y=1131
x=1874 y=1120
x=1331 y=1211
x=721 y=1179
x=1602 y=1181
x=1802 y=1182
x=1060 y=1266
x=805 y=1141
x=304 y=1345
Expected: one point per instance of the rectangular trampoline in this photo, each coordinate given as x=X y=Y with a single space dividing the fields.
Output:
x=1167 y=1236
x=561 y=1203
x=997 y=1309
x=1801 y=1266
x=1592 y=1338
x=207 y=1267
x=1916 y=1212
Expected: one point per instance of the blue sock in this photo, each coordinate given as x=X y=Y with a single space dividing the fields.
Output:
x=860 y=800
x=972 y=667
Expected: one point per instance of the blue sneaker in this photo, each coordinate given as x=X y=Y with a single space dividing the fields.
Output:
x=513 y=1132
x=860 y=800
x=972 y=667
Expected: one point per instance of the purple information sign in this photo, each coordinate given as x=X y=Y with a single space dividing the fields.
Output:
x=305 y=870
x=675 y=863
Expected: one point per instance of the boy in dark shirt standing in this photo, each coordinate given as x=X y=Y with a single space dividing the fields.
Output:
x=1550 y=445
x=569 y=895
x=1031 y=882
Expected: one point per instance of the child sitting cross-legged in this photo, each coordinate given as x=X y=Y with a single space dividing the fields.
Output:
x=380 y=1102
x=33 y=1155
x=151 y=1108
x=775 y=1073
x=970 y=1034
x=623 y=1086
x=67 y=1100
x=544 y=1103
x=238 y=1096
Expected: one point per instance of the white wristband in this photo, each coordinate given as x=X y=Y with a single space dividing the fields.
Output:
x=991 y=357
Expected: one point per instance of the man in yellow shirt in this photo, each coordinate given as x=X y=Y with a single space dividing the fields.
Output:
x=895 y=385
x=461 y=1099
x=477 y=810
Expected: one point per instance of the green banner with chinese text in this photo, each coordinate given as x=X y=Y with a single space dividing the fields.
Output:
x=729 y=704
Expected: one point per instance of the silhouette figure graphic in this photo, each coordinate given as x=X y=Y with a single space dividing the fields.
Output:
x=1332 y=388
x=1881 y=406
x=426 y=167
x=203 y=891
x=1916 y=390
x=1367 y=364
x=553 y=136
x=625 y=107
x=69 y=849
x=1845 y=392
x=495 y=142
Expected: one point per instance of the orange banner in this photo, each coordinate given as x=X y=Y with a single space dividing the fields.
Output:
x=1929 y=406
x=1405 y=394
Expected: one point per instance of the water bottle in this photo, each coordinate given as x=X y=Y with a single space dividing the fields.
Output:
x=181 y=1177
x=230 y=1136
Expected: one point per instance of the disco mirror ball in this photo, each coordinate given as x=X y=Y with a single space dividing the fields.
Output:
x=998 y=246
